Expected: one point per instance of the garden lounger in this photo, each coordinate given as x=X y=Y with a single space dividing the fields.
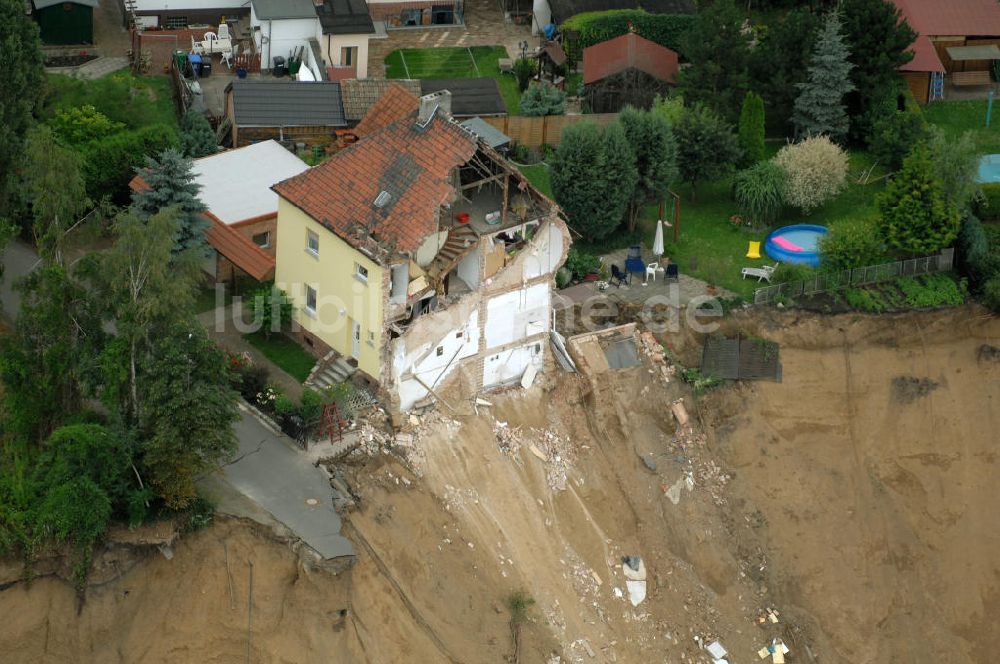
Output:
x=762 y=273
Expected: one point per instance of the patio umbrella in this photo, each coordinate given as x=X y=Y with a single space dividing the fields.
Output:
x=658 y=239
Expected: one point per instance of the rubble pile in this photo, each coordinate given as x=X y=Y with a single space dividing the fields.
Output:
x=653 y=349
x=508 y=438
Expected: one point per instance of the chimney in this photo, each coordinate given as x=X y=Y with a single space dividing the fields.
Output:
x=435 y=102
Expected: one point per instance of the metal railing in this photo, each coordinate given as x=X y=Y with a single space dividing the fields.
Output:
x=860 y=276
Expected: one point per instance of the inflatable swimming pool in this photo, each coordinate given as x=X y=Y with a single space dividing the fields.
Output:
x=798 y=243
x=989 y=168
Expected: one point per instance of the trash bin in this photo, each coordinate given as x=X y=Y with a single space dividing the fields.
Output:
x=206 y=68
x=293 y=66
x=194 y=64
x=180 y=59
x=278 y=68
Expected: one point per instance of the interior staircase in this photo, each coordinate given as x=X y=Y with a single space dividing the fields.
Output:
x=461 y=240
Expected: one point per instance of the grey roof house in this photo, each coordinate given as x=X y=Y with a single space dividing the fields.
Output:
x=284 y=111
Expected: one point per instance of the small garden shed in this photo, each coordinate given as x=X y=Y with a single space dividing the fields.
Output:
x=627 y=71
x=61 y=22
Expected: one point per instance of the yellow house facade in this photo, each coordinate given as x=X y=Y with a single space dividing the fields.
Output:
x=336 y=290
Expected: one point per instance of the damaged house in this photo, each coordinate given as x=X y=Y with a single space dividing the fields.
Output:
x=420 y=253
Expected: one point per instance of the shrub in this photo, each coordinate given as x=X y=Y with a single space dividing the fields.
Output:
x=850 y=244
x=110 y=162
x=988 y=205
x=758 y=192
x=77 y=126
x=252 y=381
x=271 y=308
x=788 y=272
x=524 y=69
x=581 y=263
x=751 y=128
x=669 y=108
x=312 y=406
x=913 y=214
x=932 y=290
x=865 y=300
x=815 y=171
x=974 y=251
x=543 y=99
x=595 y=27
x=991 y=293
x=895 y=135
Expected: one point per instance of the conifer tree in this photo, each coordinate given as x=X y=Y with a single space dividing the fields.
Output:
x=171 y=185
x=820 y=106
x=914 y=215
x=751 y=133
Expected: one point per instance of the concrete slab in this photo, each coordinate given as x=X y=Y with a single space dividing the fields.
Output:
x=271 y=472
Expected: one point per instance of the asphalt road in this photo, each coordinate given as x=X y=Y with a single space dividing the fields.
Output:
x=267 y=468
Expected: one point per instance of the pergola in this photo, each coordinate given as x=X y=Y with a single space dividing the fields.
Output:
x=968 y=53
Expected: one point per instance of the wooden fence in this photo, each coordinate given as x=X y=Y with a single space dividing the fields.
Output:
x=537 y=131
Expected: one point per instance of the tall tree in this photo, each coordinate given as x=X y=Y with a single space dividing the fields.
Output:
x=752 y=128
x=170 y=184
x=777 y=64
x=877 y=38
x=593 y=195
x=46 y=363
x=146 y=289
x=655 y=152
x=915 y=216
x=707 y=148
x=820 y=108
x=718 y=48
x=187 y=423
x=21 y=83
x=197 y=138
x=55 y=190
x=956 y=163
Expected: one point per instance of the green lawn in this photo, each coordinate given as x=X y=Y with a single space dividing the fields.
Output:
x=538 y=175
x=285 y=353
x=136 y=101
x=957 y=117
x=455 y=62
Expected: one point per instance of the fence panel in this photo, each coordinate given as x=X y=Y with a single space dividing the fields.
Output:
x=537 y=131
x=861 y=276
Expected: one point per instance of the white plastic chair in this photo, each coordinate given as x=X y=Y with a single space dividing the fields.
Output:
x=224 y=31
x=651 y=270
x=210 y=36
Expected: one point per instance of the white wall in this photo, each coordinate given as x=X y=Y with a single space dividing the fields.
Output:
x=278 y=37
x=331 y=51
x=468 y=269
x=432 y=368
x=509 y=365
x=541 y=16
x=545 y=251
x=508 y=315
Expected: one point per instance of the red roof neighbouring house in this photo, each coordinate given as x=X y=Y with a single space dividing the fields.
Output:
x=952 y=18
x=239 y=249
x=395 y=104
x=390 y=185
x=925 y=57
x=630 y=51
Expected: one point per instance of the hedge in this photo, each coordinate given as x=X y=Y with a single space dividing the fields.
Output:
x=988 y=207
x=110 y=162
x=595 y=27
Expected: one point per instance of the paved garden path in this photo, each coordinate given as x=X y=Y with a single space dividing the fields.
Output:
x=484 y=26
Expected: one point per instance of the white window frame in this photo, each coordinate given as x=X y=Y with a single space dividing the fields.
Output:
x=310 y=235
x=361 y=273
x=311 y=311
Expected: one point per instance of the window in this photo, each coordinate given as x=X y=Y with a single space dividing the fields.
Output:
x=262 y=240
x=311 y=301
x=371 y=338
x=361 y=272
x=440 y=351
x=175 y=22
x=312 y=243
x=348 y=56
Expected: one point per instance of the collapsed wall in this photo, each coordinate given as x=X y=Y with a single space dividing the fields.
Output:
x=494 y=332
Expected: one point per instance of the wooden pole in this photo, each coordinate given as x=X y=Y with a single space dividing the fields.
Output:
x=677 y=215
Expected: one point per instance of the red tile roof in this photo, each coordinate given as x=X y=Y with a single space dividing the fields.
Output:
x=630 y=51
x=965 y=18
x=411 y=163
x=925 y=57
x=395 y=104
x=239 y=249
